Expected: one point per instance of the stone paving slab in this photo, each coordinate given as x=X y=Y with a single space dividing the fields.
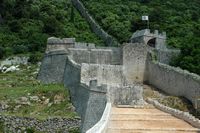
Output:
x=121 y=117
x=147 y=120
x=148 y=131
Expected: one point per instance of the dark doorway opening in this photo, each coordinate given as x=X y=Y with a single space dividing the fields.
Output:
x=152 y=42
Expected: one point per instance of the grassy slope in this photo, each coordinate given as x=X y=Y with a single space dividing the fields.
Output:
x=23 y=83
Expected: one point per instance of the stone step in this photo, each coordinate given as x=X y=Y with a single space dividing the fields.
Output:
x=164 y=124
x=109 y=130
x=141 y=117
x=132 y=111
x=146 y=120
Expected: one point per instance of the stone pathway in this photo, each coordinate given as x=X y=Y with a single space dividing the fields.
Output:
x=146 y=120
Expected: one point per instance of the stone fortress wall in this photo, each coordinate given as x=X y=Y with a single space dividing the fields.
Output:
x=89 y=73
x=96 y=76
x=109 y=40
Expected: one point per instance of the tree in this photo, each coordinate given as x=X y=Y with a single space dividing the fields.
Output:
x=1 y=19
x=2 y=52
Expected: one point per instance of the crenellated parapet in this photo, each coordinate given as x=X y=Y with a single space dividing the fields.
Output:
x=156 y=40
x=54 y=44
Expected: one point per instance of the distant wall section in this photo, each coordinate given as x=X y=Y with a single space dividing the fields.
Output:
x=174 y=80
x=109 y=40
x=96 y=56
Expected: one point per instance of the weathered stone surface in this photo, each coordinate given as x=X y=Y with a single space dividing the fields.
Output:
x=104 y=74
x=134 y=62
x=10 y=69
x=126 y=95
x=14 y=61
x=20 y=124
x=35 y=99
x=174 y=81
x=58 y=99
x=52 y=68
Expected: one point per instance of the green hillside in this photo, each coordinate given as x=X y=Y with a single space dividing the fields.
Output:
x=179 y=18
x=25 y=25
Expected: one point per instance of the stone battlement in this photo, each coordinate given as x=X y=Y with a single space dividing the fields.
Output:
x=156 y=40
x=146 y=32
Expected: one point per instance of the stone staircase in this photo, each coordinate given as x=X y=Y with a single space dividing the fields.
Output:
x=146 y=120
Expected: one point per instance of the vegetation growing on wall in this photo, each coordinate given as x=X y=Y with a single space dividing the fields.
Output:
x=179 y=18
x=26 y=25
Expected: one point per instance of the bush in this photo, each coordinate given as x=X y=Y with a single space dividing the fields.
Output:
x=74 y=130
x=1 y=127
x=35 y=57
x=2 y=52
x=20 y=49
x=30 y=130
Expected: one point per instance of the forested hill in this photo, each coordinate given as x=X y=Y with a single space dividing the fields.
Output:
x=26 y=24
x=179 y=18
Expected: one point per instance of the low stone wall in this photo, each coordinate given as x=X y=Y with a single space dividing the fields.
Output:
x=174 y=81
x=177 y=113
x=102 y=125
x=109 y=40
x=104 y=74
x=126 y=95
x=52 y=67
x=15 y=124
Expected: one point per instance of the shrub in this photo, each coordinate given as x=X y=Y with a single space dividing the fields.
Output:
x=74 y=130
x=30 y=130
x=2 y=52
x=35 y=57
x=19 y=49
x=1 y=127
